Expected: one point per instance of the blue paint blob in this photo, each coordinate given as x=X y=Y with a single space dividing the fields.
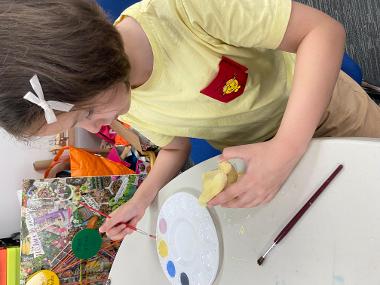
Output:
x=184 y=279
x=170 y=268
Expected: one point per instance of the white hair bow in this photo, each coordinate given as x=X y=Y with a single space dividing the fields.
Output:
x=48 y=106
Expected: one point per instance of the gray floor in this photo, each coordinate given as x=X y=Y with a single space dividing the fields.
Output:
x=361 y=19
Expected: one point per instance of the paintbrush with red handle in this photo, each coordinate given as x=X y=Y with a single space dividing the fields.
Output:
x=109 y=217
x=299 y=214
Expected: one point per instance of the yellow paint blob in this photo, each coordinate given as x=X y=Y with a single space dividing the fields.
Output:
x=43 y=277
x=242 y=230
x=163 y=249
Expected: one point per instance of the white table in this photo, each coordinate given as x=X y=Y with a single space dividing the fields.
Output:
x=336 y=242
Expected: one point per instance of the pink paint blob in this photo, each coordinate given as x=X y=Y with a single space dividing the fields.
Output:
x=163 y=226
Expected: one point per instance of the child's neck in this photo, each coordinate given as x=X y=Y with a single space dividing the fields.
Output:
x=138 y=50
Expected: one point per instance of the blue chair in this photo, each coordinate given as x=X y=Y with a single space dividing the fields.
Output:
x=115 y=7
x=201 y=149
x=352 y=68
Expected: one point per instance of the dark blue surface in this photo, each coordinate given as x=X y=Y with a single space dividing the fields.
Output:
x=115 y=7
x=201 y=149
x=353 y=69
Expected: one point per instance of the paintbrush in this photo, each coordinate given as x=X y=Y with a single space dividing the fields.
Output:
x=299 y=214
x=109 y=217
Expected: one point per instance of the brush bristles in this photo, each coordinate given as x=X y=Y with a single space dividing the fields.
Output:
x=260 y=260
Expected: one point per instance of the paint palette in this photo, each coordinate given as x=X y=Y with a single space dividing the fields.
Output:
x=187 y=242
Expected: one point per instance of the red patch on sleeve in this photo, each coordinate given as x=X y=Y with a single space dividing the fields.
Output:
x=229 y=83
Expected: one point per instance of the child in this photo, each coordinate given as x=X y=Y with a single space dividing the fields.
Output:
x=225 y=71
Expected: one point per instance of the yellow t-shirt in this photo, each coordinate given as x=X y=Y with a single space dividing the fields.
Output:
x=189 y=39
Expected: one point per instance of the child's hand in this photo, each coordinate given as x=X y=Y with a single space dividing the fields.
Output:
x=268 y=165
x=131 y=212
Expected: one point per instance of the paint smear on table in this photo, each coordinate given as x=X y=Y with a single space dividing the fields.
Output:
x=239 y=259
x=242 y=230
x=338 y=280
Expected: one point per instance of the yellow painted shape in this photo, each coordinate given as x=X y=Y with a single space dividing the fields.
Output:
x=163 y=249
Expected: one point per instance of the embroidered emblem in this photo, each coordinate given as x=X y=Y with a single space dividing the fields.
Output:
x=232 y=85
x=229 y=83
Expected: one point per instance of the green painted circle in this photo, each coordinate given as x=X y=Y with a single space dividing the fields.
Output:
x=86 y=243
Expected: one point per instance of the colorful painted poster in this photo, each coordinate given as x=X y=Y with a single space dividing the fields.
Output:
x=51 y=216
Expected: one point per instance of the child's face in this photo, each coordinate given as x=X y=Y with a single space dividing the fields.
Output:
x=104 y=109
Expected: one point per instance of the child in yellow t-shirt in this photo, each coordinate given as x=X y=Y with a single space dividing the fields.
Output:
x=256 y=78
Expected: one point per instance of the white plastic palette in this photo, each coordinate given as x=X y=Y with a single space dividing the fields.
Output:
x=187 y=242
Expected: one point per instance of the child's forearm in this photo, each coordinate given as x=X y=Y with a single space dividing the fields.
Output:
x=319 y=57
x=168 y=163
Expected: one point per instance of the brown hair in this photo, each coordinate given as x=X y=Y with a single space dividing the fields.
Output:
x=72 y=47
